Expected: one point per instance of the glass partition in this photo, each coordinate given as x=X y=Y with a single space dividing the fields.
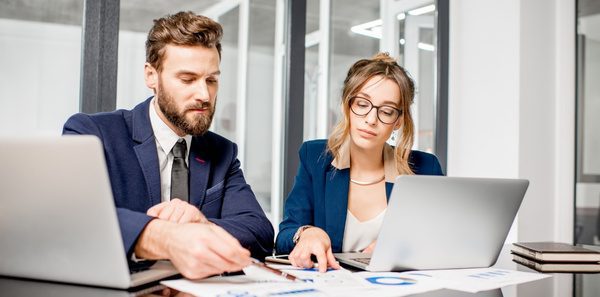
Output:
x=411 y=35
x=587 y=194
x=259 y=107
x=348 y=46
x=41 y=62
x=244 y=105
x=405 y=29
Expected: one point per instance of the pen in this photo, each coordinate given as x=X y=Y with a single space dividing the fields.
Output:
x=262 y=266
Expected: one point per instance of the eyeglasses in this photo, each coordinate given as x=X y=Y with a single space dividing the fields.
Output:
x=386 y=114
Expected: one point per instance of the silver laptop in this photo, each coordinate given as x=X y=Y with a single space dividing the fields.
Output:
x=438 y=222
x=58 y=220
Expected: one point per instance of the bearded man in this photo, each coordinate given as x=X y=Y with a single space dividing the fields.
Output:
x=178 y=188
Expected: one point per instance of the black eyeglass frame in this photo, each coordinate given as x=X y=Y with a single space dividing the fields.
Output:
x=376 y=108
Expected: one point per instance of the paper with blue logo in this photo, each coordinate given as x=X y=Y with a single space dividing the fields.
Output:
x=332 y=283
x=345 y=283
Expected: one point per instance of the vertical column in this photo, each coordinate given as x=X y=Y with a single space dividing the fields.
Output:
x=242 y=79
x=99 y=58
x=294 y=91
x=441 y=122
x=324 y=46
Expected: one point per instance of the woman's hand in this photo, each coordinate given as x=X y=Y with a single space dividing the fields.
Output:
x=314 y=241
x=369 y=249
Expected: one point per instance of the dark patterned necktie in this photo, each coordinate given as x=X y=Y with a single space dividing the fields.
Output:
x=179 y=172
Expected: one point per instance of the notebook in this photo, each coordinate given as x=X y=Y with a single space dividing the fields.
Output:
x=438 y=222
x=59 y=221
x=573 y=267
x=555 y=252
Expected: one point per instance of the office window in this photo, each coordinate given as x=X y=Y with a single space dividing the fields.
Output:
x=587 y=194
x=41 y=58
x=405 y=29
x=312 y=70
x=325 y=71
x=416 y=37
x=347 y=47
x=311 y=91
x=259 y=106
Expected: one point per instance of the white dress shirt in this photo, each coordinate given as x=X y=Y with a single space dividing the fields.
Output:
x=165 y=140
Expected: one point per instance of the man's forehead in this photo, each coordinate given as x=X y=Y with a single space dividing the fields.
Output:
x=191 y=59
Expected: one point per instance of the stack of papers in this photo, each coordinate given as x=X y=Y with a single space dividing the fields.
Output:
x=345 y=283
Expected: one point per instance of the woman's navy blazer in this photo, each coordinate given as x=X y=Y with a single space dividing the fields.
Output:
x=320 y=194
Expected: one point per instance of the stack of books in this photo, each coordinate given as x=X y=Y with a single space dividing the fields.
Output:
x=556 y=257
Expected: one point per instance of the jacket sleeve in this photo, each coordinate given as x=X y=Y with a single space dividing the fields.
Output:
x=436 y=167
x=131 y=223
x=242 y=216
x=299 y=206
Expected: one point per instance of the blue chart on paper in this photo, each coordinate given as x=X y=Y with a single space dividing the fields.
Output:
x=237 y=293
x=391 y=281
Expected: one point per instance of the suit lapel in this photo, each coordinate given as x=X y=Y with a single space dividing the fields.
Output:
x=336 y=205
x=199 y=163
x=388 y=190
x=145 y=150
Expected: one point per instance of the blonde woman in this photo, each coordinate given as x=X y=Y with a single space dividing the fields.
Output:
x=343 y=183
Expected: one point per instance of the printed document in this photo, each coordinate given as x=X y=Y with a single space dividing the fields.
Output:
x=345 y=283
x=332 y=283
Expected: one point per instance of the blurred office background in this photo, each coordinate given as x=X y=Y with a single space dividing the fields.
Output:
x=505 y=88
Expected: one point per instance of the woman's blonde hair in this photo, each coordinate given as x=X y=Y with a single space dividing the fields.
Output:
x=379 y=65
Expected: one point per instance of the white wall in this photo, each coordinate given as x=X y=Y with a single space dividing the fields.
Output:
x=547 y=140
x=511 y=106
x=39 y=75
x=511 y=94
x=483 y=114
x=131 y=88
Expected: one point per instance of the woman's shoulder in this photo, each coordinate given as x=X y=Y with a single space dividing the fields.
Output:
x=424 y=163
x=421 y=155
x=315 y=144
x=315 y=150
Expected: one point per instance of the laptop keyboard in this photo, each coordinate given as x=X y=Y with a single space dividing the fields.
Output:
x=135 y=267
x=362 y=260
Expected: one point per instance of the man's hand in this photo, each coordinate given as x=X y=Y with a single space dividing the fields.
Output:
x=177 y=211
x=201 y=250
x=196 y=250
x=313 y=241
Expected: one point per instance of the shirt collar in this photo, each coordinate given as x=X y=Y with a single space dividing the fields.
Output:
x=165 y=137
x=389 y=163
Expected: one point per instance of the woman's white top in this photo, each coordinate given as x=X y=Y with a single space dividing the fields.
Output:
x=358 y=235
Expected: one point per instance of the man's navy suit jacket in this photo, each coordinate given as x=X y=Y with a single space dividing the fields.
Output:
x=217 y=184
x=320 y=194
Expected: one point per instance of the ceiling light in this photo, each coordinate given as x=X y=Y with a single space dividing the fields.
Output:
x=371 y=29
x=422 y=10
x=426 y=47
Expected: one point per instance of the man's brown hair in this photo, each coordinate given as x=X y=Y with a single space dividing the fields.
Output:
x=183 y=28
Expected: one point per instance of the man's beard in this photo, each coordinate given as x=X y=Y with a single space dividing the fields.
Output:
x=196 y=126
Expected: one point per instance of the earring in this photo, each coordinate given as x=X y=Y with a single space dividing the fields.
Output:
x=393 y=137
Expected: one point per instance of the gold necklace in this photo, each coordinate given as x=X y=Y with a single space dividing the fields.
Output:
x=363 y=183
